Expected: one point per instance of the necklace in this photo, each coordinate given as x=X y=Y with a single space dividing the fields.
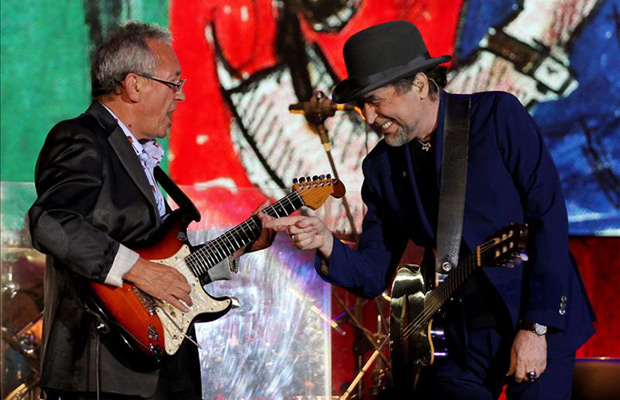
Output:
x=426 y=146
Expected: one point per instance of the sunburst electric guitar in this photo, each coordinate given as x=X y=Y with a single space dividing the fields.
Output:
x=414 y=341
x=156 y=327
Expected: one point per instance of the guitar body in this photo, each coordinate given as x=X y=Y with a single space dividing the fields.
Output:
x=411 y=349
x=156 y=327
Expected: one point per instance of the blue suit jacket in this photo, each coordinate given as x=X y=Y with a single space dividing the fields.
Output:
x=510 y=178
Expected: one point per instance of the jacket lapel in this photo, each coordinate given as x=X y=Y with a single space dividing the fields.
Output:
x=130 y=161
x=125 y=153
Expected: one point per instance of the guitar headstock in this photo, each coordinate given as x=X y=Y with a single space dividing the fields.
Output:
x=314 y=191
x=505 y=248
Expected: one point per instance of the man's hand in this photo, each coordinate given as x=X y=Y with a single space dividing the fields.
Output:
x=529 y=353
x=306 y=233
x=267 y=235
x=162 y=282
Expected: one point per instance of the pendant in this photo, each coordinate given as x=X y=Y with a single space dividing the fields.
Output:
x=426 y=146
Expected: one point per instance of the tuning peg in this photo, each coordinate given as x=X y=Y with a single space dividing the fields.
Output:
x=315 y=178
x=523 y=256
x=329 y=176
x=308 y=179
x=321 y=177
x=302 y=179
x=295 y=181
x=509 y=264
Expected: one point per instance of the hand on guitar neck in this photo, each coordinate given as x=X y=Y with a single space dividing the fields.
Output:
x=266 y=237
x=160 y=281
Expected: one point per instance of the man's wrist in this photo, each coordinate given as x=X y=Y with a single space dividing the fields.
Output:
x=328 y=247
x=539 y=329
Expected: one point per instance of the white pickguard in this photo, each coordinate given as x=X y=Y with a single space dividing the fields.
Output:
x=175 y=322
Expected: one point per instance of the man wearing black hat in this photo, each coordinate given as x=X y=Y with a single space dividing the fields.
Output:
x=525 y=322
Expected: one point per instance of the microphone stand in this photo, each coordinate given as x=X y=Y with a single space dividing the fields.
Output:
x=316 y=111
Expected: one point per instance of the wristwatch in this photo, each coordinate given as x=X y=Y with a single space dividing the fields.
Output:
x=535 y=327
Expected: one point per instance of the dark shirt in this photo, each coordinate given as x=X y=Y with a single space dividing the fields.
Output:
x=476 y=302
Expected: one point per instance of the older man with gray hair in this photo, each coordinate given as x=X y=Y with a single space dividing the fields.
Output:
x=98 y=190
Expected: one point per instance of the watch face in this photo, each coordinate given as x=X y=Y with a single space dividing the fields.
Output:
x=540 y=329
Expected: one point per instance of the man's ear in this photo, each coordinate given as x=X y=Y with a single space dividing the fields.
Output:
x=420 y=81
x=133 y=87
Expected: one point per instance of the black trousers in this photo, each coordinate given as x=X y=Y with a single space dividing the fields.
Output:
x=488 y=357
x=179 y=379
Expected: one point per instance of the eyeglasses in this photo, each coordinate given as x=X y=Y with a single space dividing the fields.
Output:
x=177 y=86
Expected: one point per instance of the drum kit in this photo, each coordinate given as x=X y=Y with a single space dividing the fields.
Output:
x=22 y=322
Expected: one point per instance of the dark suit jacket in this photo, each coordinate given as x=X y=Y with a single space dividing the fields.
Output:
x=510 y=178
x=92 y=195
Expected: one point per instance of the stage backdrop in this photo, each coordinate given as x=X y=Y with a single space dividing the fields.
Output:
x=247 y=60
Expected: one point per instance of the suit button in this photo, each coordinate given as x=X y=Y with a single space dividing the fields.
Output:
x=562 y=310
x=563 y=299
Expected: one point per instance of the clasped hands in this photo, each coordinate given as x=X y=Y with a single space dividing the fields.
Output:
x=306 y=233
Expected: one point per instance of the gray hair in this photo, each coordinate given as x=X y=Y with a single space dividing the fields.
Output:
x=124 y=52
x=437 y=78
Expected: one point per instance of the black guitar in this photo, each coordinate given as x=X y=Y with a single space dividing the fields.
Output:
x=413 y=339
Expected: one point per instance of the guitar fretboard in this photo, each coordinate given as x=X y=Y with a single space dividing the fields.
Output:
x=213 y=252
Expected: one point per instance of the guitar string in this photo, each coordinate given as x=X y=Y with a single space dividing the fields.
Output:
x=252 y=226
x=207 y=250
x=243 y=231
x=450 y=285
x=447 y=288
x=291 y=198
x=430 y=304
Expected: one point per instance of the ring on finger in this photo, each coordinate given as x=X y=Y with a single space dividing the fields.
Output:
x=293 y=237
x=531 y=376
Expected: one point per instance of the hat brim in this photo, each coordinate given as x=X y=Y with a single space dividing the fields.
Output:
x=349 y=89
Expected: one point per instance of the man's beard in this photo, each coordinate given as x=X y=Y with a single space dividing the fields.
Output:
x=402 y=136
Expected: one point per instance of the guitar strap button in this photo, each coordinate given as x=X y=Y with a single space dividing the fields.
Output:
x=446 y=266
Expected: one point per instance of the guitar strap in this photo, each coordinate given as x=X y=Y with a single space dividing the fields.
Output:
x=453 y=183
x=176 y=194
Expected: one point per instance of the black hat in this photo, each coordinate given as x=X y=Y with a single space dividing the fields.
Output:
x=382 y=54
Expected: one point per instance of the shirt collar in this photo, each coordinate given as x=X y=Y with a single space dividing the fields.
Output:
x=137 y=146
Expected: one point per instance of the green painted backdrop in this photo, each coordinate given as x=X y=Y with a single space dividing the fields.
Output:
x=46 y=47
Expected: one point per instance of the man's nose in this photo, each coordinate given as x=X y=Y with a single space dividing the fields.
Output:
x=180 y=95
x=369 y=113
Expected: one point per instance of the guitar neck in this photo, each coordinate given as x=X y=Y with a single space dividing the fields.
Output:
x=216 y=250
x=446 y=289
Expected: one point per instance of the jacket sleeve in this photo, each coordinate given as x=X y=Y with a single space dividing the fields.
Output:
x=368 y=270
x=68 y=178
x=548 y=271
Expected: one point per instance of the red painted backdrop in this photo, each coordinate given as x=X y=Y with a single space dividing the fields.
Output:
x=201 y=149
